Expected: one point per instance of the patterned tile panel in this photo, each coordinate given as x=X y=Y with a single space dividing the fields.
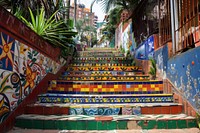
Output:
x=104 y=78
x=154 y=87
x=105 y=68
x=89 y=99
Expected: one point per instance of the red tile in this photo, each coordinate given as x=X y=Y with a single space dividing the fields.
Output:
x=156 y=110
x=48 y=110
x=144 y=110
x=165 y=110
x=56 y=110
x=176 y=109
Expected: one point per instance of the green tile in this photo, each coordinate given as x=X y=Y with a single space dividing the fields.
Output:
x=171 y=124
x=81 y=125
x=147 y=124
x=50 y=124
x=102 y=125
x=60 y=125
x=19 y=123
x=38 y=124
x=23 y=123
x=122 y=124
x=182 y=124
x=71 y=125
x=111 y=125
x=192 y=123
x=151 y=124
x=161 y=124
x=91 y=125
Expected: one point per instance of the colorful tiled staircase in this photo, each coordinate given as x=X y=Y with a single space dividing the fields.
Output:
x=100 y=90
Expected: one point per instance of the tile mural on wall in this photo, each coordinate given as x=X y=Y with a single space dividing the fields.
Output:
x=183 y=71
x=161 y=56
x=21 y=69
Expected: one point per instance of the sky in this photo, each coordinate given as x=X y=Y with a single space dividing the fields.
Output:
x=96 y=8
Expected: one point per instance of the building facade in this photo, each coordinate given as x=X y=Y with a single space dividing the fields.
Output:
x=84 y=13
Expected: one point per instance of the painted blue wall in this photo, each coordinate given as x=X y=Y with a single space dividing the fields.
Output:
x=161 y=57
x=183 y=71
x=145 y=50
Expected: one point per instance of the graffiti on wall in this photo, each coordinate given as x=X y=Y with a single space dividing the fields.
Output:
x=21 y=69
x=184 y=72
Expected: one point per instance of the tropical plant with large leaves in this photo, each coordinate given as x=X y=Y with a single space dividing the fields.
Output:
x=56 y=32
x=153 y=69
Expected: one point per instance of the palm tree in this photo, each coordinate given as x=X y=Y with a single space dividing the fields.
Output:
x=107 y=5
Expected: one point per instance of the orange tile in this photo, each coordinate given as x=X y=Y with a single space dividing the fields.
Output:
x=165 y=110
x=157 y=110
x=144 y=110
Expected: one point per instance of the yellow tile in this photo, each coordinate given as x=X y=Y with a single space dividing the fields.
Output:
x=49 y=88
x=75 y=86
x=115 y=86
x=95 y=89
x=136 y=89
x=152 y=86
x=157 y=89
x=104 y=78
x=87 y=89
x=99 y=86
x=78 y=86
x=103 y=89
x=53 y=85
x=111 y=89
x=140 y=86
x=144 y=89
x=62 y=88
x=82 y=89
x=70 y=89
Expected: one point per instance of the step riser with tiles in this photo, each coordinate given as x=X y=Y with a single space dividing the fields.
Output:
x=77 y=122
x=106 y=87
x=98 y=110
x=106 y=68
x=84 y=99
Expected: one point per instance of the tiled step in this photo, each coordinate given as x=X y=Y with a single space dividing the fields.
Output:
x=101 y=60
x=106 y=87
x=99 y=50
x=83 y=122
x=105 y=68
x=100 y=54
x=104 y=78
x=101 y=73
x=104 y=98
x=103 y=109
x=99 y=64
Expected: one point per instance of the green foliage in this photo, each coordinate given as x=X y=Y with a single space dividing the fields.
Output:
x=55 y=32
x=198 y=119
x=153 y=68
x=125 y=4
